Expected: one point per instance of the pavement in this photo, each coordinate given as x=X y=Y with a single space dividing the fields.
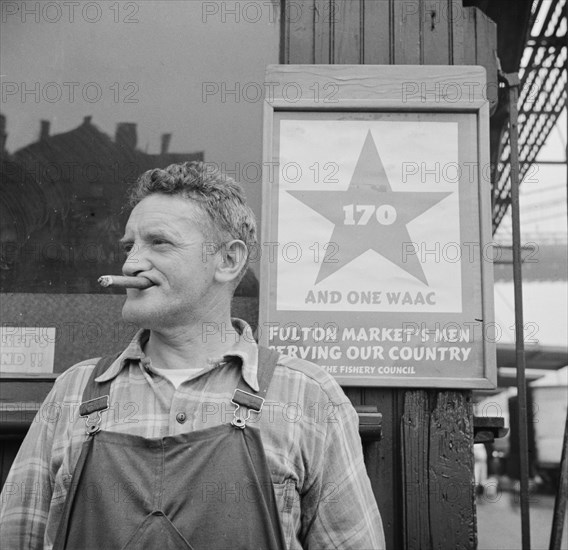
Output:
x=499 y=521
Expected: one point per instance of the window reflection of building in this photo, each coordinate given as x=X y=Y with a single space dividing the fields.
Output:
x=23 y=212
x=63 y=205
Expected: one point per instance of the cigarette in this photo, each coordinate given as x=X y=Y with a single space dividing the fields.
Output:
x=118 y=281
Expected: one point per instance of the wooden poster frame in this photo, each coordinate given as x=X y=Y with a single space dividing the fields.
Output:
x=372 y=90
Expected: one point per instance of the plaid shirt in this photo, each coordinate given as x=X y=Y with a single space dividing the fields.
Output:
x=309 y=431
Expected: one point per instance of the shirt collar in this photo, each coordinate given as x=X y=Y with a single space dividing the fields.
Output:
x=244 y=347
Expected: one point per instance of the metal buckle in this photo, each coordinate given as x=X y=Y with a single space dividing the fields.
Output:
x=238 y=421
x=92 y=411
x=93 y=423
x=248 y=394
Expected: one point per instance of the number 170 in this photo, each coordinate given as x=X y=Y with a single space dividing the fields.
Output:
x=385 y=214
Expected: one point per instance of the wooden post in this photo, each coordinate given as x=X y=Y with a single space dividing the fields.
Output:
x=422 y=469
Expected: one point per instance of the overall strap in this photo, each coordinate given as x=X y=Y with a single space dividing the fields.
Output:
x=96 y=396
x=245 y=396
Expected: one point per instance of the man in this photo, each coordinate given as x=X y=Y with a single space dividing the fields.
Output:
x=208 y=443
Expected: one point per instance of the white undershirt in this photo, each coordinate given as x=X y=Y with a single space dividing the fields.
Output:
x=176 y=376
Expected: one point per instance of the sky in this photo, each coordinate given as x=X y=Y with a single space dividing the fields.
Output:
x=542 y=196
x=542 y=211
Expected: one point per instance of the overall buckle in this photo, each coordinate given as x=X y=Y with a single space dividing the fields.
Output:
x=92 y=411
x=247 y=400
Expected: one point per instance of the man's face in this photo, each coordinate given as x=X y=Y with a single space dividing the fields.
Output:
x=165 y=243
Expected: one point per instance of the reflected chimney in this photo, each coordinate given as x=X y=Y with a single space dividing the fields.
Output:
x=87 y=119
x=166 y=138
x=126 y=135
x=3 y=134
x=44 y=130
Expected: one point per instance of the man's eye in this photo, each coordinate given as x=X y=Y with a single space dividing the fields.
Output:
x=157 y=242
x=127 y=248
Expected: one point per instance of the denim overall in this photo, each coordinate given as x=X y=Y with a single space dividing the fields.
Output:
x=205 y=490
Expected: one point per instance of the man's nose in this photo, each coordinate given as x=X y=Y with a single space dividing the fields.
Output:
x=135 y=261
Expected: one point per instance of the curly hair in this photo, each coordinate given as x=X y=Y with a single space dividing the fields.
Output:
x=221 y=199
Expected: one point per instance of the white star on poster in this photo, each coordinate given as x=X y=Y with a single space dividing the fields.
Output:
x=369 y=215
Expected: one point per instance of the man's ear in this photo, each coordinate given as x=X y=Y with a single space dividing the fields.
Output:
x=233 y=258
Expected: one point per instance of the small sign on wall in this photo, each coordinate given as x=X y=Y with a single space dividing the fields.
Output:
x=27 y=350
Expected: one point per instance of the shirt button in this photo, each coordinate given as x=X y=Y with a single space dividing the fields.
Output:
x=181 y=417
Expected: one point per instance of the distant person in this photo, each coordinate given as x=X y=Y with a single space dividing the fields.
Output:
x=480 y=467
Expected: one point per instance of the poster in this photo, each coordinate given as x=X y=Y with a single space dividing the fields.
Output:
x=26 y=350
x=377 y=276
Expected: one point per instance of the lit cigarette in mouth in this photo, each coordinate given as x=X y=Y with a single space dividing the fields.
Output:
x=119 y=281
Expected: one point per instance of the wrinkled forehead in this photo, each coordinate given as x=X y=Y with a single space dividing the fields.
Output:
x=169 y=211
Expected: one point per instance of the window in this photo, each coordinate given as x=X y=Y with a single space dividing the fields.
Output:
x=95 y=93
